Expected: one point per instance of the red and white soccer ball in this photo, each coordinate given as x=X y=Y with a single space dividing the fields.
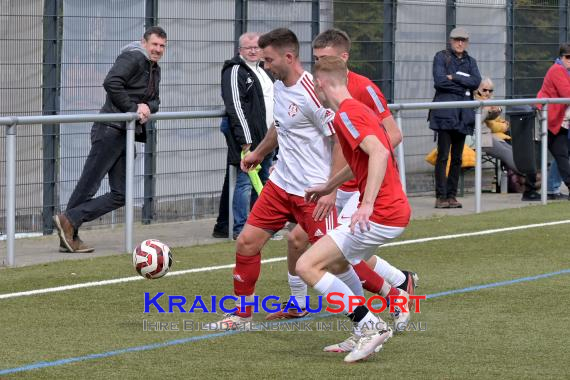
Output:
x=152 y=259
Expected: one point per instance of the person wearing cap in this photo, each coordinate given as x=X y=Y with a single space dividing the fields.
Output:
x=456 y=76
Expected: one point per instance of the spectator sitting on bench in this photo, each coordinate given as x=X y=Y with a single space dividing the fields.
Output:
x=493 y=136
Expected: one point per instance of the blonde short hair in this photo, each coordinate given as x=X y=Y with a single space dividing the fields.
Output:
x=333 y=66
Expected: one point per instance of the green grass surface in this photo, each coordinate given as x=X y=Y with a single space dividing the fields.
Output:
x=514 y=331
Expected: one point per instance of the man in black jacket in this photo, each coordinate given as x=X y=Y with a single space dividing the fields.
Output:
x=456 y=76
x=247 y=91
x=132 y=85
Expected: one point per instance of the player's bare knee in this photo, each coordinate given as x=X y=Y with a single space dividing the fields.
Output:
x=246 y=245
x=296 y=240
x=338 y=267
x=303 y=267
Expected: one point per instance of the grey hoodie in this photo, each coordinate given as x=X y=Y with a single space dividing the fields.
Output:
x=135 y=46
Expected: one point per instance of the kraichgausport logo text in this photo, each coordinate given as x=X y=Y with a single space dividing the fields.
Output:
x=272 y=304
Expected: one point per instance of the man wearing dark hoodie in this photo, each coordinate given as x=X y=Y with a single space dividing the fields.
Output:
x=247 y=91
x=132 y=85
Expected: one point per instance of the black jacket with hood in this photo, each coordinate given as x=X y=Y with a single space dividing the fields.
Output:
x=133 y=79
x=245 y=106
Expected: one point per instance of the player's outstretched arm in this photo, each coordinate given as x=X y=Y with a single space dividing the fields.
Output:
x=377 y=162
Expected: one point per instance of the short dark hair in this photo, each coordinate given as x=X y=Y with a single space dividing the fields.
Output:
x=156 y=30
x=281 y=39
x=564 y=49
x=335 y=38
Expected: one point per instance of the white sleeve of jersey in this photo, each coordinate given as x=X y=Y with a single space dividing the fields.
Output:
x=314 y=110
x=324 y=117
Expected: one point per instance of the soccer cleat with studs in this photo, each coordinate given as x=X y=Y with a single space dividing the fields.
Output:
x=350 y=343
x=367 y=344
x=291 y=313
x=232 y=321
x=400 y=317
x=412 y=284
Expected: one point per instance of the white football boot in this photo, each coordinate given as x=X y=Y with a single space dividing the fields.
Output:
x=367 y=344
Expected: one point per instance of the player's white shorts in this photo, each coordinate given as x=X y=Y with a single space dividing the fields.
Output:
x=342 y=197
x=362 y=245
x=349 y=206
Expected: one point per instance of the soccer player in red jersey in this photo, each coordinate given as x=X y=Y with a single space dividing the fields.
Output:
x=335 y=42
x=383 y=211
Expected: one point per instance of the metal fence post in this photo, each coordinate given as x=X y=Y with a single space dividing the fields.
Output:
x=400 y=152
x=149 y=157
x=315 y=19
x=478 y=168
x=129 y=178
x=232 y=177
x=51 y=79
x=149 y=173
x=240 y=25
x=510 y=50
x=543 y=153
x=389 y=49
x=10 y=192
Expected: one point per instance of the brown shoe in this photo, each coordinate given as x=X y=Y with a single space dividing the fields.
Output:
x=453 y=203
x=80 y=246
x=65 y=231
x=441 y=203
x=62 y=247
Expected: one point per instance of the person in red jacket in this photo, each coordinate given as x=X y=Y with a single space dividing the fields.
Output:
x=556 y=84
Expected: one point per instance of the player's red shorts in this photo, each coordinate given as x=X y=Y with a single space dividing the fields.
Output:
x=275 y=207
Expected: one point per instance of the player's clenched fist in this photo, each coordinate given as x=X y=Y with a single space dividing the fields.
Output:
x=250 y=161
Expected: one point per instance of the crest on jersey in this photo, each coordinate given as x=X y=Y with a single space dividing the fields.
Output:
x=293 y=109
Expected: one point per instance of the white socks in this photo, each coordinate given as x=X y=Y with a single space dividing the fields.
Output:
x=330 y=283
x=298 y=289
x=389 y=272
x=350 y=278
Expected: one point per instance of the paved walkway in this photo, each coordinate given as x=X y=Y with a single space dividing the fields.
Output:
x=110 y=241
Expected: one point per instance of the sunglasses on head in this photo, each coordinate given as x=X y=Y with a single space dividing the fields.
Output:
x=490 y=90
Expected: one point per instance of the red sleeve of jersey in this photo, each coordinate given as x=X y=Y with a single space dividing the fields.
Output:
x=374 y=98
x=357 y=123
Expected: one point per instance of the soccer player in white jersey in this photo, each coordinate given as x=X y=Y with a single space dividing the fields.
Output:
x=335 y=42
x=308 y=153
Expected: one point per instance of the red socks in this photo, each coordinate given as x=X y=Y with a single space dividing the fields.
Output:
x=371 y=280
x=246 y=273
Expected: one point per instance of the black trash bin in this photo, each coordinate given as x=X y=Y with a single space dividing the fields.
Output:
x=522 y=120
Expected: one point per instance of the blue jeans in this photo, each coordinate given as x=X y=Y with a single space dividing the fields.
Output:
x=244 y=197
x=554 y=179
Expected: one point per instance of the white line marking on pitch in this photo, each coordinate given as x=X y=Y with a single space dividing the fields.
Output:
x=266 y=261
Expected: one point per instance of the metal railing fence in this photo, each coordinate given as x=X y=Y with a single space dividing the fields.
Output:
x=11 y=124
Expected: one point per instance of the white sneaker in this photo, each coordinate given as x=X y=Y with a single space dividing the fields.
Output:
x=349 y=343
x=367 y=344
x=400 y=317
x=232 y=322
